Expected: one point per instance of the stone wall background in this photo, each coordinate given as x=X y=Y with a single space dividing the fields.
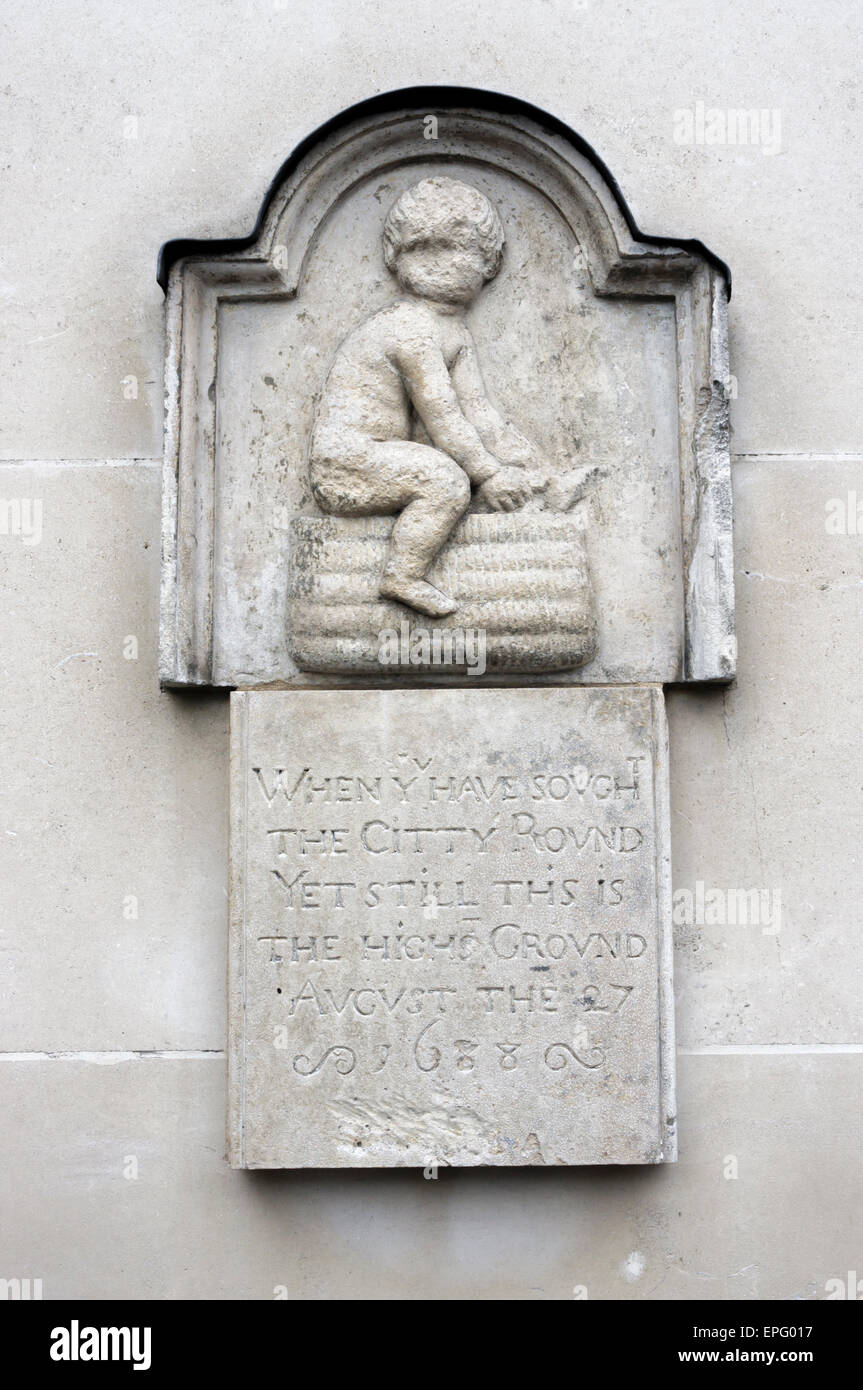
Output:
x=124 y=125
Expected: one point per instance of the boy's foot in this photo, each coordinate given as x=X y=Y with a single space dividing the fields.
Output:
x=416 y=593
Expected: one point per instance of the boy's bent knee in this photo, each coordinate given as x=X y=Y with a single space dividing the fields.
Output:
x=455 y=486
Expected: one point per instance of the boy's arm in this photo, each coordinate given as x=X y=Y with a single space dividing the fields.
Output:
x=424 y=372
x=499 y=437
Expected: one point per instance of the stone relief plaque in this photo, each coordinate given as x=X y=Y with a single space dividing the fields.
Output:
x=589 y=367
x=446 y=420
x=450 y=928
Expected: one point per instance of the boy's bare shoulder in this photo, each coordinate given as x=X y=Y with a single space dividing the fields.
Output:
x=390 y=327
x=405 y=319
x=400 y=331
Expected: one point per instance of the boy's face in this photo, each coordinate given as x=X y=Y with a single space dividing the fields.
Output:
x=447 y=266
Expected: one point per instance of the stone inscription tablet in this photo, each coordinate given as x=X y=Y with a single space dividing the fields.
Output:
x=450 y=928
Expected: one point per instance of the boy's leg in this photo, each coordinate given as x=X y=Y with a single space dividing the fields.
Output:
x=439 y=496
x=431 y=492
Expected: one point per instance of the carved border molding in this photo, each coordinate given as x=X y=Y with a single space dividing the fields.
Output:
x=270 y=264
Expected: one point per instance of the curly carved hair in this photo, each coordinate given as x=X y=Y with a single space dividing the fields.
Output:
x=443 y=205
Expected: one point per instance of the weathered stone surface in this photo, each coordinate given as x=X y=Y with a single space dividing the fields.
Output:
x=113 y=825
x=181 y=1225
x=294 y=365
x=765 y=780
x=524 y=601
x=753 y=777
x=136 y=149
x=404 y=427
x=767 y=786
x=450 y=929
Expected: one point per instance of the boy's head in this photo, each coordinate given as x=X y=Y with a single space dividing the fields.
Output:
x=443 y=240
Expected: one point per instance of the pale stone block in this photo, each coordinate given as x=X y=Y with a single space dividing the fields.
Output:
x=114 y=1185
x=103 y=170
x=449 y=929
x=765 y=783
x=114 y=808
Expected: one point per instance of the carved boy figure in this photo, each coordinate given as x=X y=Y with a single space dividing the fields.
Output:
x=443 y=240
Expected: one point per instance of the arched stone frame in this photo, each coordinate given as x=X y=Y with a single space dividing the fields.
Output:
x=367 y=140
